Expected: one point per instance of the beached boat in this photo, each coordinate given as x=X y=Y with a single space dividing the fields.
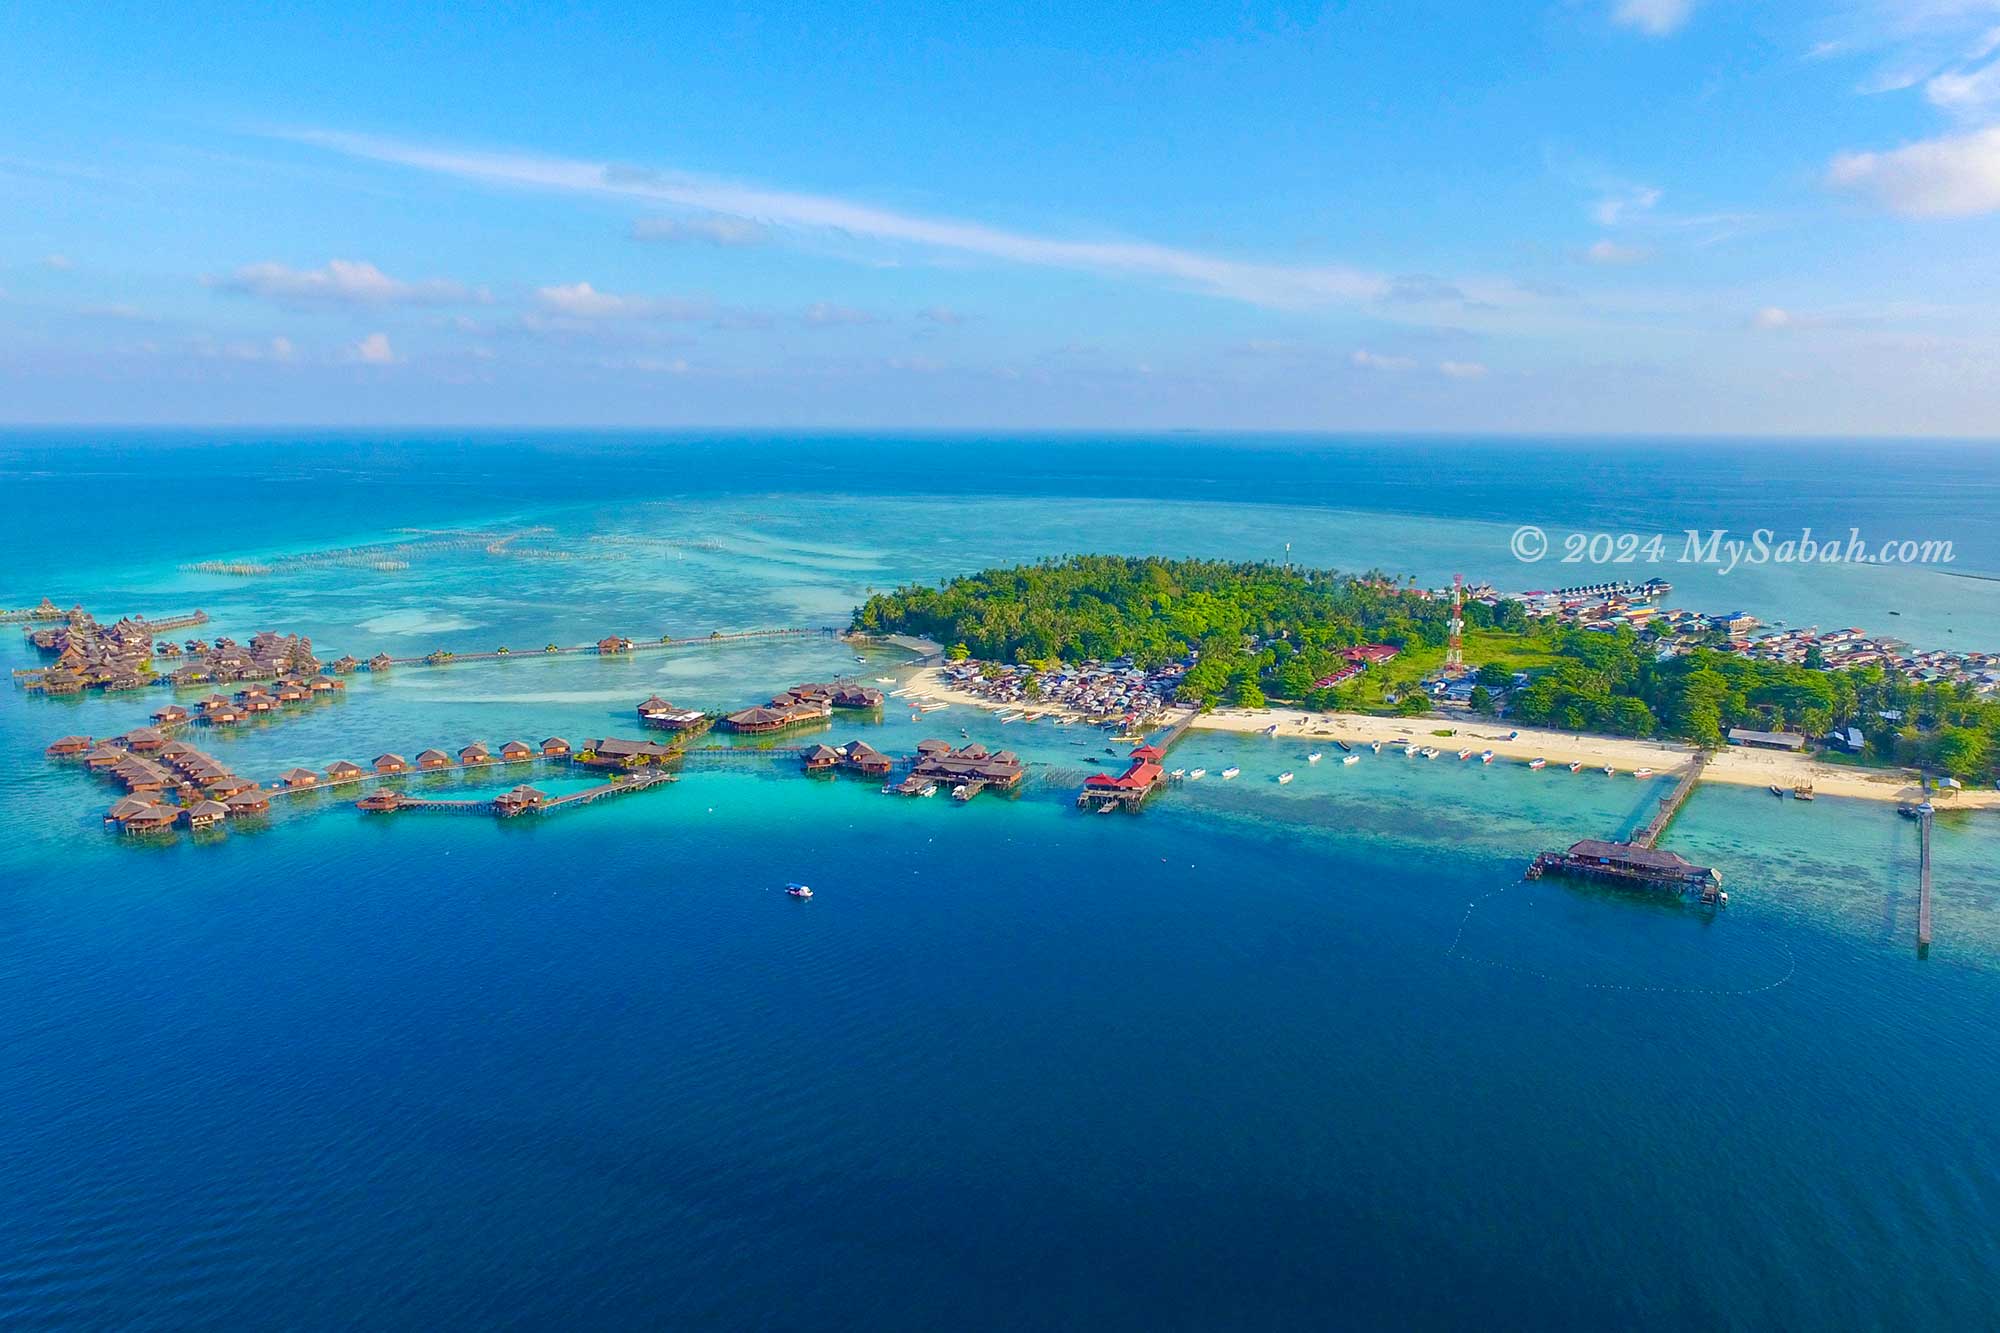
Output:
x=1576 y=766
x=1538 y=763
x=1486 y=756
x=799 y=890
x=1314 y=757
x=1464 y=755
x=1642 y=772
x=1283 y=778
x=1513 y=735
x=1341 y=746
x=1271 y=730
x=1231 y=772
x=1776 y=791
x=1351 y=759
x=1803 y=792
x=1431 y=752
x=1609 y=771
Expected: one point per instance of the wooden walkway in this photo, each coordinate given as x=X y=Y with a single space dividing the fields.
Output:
x=592 y=650
x=1172 y=735
x=1671 y=803
x=1924 y=884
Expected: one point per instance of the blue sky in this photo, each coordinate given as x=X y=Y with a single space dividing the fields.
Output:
x=1646 y=216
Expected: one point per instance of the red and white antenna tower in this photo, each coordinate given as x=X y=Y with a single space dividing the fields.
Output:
x=1454 y=649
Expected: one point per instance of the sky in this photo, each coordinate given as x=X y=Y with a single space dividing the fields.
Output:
x=1646 y=217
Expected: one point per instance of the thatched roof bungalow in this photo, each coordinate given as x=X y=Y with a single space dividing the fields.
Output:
x=340 y=770
x=433 y=759
x=158 y=819
x=298 y=778
x=125 y=807
x=249 y=801
x=380 y=801
x=821 y=759
x=554 y=747
x=206 y=814
x=520 y=800
x=388 y=765
x=65 y=746
x=475 y=753
x=516 y=752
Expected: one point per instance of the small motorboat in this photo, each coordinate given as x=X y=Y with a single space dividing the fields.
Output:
x=1178 y=774
x=1464 y=755
x=799 y=890
x=1283 y=778
x=1610 y=772
x=1642 y=772
x=1341 y=746
x=1271 y=730
x=1486 y=756
x=1776 y=791
x=1231 y=772
x=1431 y=752
x=1375 y=746
x=1576 y=766
x=1314 y=757
x=1350 y=759
x=885 y=680
x=1802 y=793
x=1197 y=774
x=1538 y=763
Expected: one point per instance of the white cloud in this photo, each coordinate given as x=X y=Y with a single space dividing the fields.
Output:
x=340 y=282
x=1265 y=284
x=1368 y=360
x=941 y=315
x=282 y=349
x=1954 y=176
x=580 y=300
x=1619 y=206
x=374 y=350
x=60 y=263
x=1609 y=252
x=708 y=230
x=1462 y=370
x=1655 y=18
x=1772 y=317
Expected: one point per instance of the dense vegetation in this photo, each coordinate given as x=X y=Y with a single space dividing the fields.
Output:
x=1261 y=631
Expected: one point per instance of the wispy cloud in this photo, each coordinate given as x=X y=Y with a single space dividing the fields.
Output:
x=580 y=300
x=1953 y=176
x=704 y=230
x=1655 y=18
x=1611 y=254
x=1264 y=284
x=824 y=314
x=60 y=263
x=1621 y=204
x=340 y=282
x=1367 y=360
x=374 y=350
x=942 y=316
x=1462 y=370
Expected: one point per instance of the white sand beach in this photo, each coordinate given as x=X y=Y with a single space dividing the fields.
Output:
x=1754 y=768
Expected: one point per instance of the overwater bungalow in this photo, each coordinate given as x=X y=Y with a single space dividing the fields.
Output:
x=388 y=765
x=657 y=712
x=343 y=665
x=520 y=800
x=138 y=775
x=614 y=644
x=821 y=759
x=433 y=759
x=774 y=717
x=157 y=819
x=142 y=739
x=340 y=770
x=170 y=716
x=206 y=814
x=229 y=785
x=125 y=807
x=298 y=778
x=250 y=801
x=865 y=759
x=475 y=753
x=380 y=662
x=64 y=746
x=970 y=765
x=325 y=685
x=554 y=747
x=517 y=752
x=855 y=696
x=290 y=692
x=380 y=801
x=610 y=751
x=105 y=756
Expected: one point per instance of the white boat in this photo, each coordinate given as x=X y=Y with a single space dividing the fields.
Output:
x=1351 y=759
x=1576 y=766
x=798 y=890
x=1283 y=778
x=1197 y=774
x=1486 y=756
x=885 y=680
x=1271 y=730
x=1314 y=757
x=1178 y=774
x=929 y=791
x=1642 y=772
x=1231 y=772
x=1609 y=771
x=1430 y=752
x=1376 y=746
x=1464 y=755
x=1538 y=763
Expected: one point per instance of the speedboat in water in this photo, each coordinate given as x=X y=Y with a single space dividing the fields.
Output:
x=1576 y=766
x=1197 y=774
x=799 y=890
x=1231 y=772
x=1351 y=759
x=1314 y=757
x=1486 y=756
x=1538 y=763
x=1283 y=778
x=1642 y=772
x=1464 y=755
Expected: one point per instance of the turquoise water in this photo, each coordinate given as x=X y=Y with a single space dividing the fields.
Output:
x=1264 y=1056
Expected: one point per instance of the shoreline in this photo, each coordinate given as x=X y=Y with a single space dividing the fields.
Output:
x=1736 y=766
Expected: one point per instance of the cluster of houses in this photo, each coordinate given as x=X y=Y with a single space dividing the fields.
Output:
x=854 y=757
x=965 y=771
x=1117 y=691
x=92 y=656
x=153 y=767
x=799 y=705
x=1355 y=661
x=1143 y=773
x=251 y=702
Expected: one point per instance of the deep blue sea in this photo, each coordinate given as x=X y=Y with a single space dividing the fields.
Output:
x=1262 y=1057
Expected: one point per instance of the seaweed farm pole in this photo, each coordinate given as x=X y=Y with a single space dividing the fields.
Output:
x=1924 y=885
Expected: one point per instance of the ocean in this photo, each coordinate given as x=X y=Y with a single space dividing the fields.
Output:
x=1262 y=1056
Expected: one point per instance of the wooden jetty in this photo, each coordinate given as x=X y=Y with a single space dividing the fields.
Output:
x=505 y=808
x=611 y=646
x=1924 y=882
x=1670 y=804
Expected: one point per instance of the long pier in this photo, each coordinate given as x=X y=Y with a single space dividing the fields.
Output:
x=1924 y=883
x=445 y=658
x=1670 y=804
